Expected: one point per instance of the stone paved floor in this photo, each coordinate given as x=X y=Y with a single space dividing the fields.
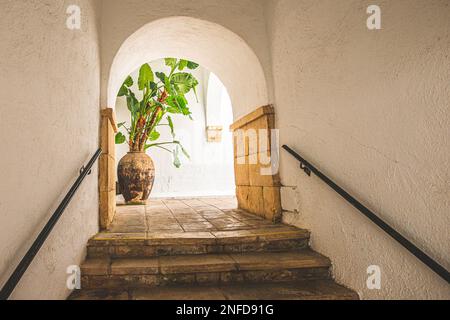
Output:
x=185 y=215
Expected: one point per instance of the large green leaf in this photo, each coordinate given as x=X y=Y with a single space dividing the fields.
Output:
x=124 y=88
x=171 y=62
x=143 y=104
x=120 y=138
x=183 y=82
x=128 y=82
x=153 y=90
x=159 y=116
x=153 y=85
x=161 y=76
x=178 y=104
x=192 y=65
x=123 y=91
x=182 y=102
x=168 y=86
x=132 y=102
x=154 y=136
x=145 y=76
x=183 y=64
x=173 y=110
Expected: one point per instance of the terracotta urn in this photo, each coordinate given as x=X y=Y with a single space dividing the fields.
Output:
x=136 y=174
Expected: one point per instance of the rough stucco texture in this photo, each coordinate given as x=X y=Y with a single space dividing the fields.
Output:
x=370 y=109
x=49 y=77
x=244 y=18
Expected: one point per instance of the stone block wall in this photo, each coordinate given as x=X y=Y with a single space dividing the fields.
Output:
x=107 y=170
x=256 y=193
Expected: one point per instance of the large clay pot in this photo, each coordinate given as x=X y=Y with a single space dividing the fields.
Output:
x=136 y=174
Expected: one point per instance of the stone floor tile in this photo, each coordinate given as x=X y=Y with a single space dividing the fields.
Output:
x=161 y=220
x=131 y=209
x=194 y=215
x=197 y=226
x=165 y=228
x=188 y=220
x=157 y=212
x=187 y=215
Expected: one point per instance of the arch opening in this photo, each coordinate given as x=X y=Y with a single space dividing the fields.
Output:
x=230 y=59
x=211 y=45
x=208 y=170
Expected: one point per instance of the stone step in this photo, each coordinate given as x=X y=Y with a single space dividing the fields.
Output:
x=298 y=290
x=141 y=245
x=208 y=269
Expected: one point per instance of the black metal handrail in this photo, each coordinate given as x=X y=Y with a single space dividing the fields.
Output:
x=422 y=256
x=14 y=279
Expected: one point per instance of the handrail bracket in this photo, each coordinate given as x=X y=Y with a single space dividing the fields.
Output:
x=305 y=168
x=82 y=169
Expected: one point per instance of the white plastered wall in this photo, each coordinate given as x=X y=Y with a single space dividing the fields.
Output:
x=370 y=109
x=49 y=120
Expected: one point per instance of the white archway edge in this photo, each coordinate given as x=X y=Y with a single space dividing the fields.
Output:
x=209 y=44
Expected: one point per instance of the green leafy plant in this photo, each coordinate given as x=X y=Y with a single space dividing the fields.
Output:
x=162 y=95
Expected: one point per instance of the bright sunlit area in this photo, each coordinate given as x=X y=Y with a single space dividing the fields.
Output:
x=206 y=168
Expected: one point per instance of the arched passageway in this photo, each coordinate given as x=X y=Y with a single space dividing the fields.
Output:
x=228 y=56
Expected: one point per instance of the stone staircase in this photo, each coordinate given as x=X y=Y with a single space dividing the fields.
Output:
x=265 y=261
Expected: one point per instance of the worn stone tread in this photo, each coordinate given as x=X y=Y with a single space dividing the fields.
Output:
x=136 y=245
x=149 y=238
x=282 y=260
x=299 y=290
x=305 y=258
x=205 y=269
